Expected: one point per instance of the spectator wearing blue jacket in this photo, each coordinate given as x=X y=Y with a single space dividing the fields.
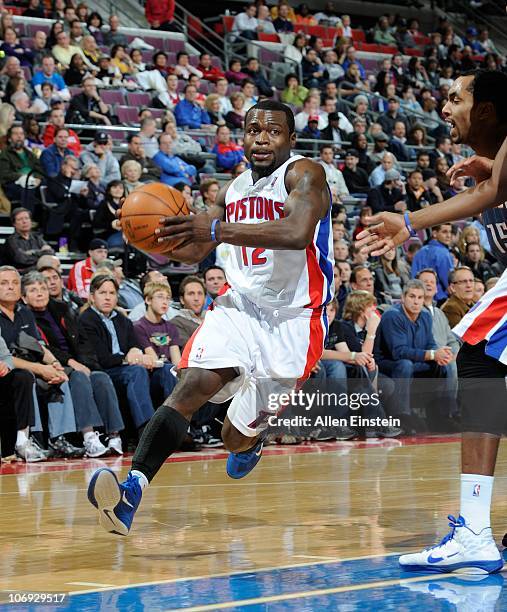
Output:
x=436 y=255
x=52 y=157
x=49 y=74
x=174 y=169
x=228 y=153
x=406 y=349
x=188 y=113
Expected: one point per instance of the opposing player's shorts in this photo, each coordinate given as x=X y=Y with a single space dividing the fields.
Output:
x=273 y=351
x=487 y=320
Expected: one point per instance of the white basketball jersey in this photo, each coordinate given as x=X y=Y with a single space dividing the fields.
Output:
x=298 y=279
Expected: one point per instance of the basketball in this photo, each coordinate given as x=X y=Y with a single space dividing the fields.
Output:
x=141 y=213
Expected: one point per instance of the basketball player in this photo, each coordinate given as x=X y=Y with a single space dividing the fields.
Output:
x=269 y=324
x=477 y=113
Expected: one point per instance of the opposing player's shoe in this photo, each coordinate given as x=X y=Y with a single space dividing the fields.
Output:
x=461 y=550
x=116 y=502
x=241 y=464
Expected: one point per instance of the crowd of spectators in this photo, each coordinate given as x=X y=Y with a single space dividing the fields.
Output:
x=109 y=342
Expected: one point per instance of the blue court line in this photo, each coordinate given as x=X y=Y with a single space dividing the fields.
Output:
x=244 y=586
x=429 y=593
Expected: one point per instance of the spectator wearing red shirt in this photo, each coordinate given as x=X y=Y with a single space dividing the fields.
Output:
x=81 y=273
x=209 y=72
x=227 y=151
x=56 y=121
x=160 y=14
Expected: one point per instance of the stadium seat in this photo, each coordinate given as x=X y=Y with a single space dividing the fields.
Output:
x=127 y=114
x=138 y=99
x=268 y=37
x=112 y=96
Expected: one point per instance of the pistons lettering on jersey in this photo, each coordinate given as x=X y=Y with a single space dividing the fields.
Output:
x=254 y=207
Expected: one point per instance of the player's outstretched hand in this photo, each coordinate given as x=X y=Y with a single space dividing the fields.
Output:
x=191 y=228
x=477 y=167
x=385 y=231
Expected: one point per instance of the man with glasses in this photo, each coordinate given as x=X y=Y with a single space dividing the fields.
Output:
x=461 y=287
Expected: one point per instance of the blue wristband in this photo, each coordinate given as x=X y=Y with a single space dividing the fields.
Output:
x=214 y=225
x=408 y=225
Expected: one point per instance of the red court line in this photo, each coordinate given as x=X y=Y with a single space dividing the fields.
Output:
x=19 y=467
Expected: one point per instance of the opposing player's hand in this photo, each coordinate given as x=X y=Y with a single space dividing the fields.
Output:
x=385 y=232
x=477 y=167
x=191 y=228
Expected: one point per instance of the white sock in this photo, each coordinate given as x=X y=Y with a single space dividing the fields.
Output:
x=143 y=481
x=21 y=438
x=88 y=435
x=476 y=491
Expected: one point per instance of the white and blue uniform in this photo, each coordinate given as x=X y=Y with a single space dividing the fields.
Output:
x=270 y=322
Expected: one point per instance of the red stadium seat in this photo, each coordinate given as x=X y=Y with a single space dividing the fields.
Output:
x=227 y=22
x=268 y=37
x=414 y=52
x=358 y=35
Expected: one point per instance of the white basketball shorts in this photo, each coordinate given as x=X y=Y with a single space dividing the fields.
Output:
x=274 y=351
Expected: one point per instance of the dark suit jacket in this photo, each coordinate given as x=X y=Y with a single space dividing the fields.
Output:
x=96 y=344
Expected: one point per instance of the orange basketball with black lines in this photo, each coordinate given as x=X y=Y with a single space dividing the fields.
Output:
x=141 y=213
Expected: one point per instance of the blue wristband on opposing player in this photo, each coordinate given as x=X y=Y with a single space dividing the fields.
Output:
x=214 y=225
x=408 y=225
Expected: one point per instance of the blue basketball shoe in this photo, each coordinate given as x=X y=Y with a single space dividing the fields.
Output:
x=116 y=502
x=461 y=550
x=241 y=464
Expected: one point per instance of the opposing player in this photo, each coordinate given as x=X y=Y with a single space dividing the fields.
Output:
x=269 y=324
x=477 y=113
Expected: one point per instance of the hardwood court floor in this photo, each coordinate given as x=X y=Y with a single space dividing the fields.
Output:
x=305 y=510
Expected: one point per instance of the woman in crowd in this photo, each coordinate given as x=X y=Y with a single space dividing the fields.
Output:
x=106 y=214
x=235 y=75
x=469 y=235
x=417 y=136
x=416 y=74
x=389 y=279
x=475 y=260
x=76 y=70
x=96 y=192
x=56 y=28
x=33 y=133
x=131 y=172
x=13 y=48
x=136 y=58
x=122 y=60
x=7 y=118
x=294 y=54
x=235 y=118
x=213 y=108
x=94 y=25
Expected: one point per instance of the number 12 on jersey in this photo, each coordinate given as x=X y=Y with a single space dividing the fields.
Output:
x=256 y=256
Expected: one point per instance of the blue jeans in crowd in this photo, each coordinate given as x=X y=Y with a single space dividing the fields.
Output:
x=61 y=417
x=95 y=401
x=403 y=371
x=139 y=384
